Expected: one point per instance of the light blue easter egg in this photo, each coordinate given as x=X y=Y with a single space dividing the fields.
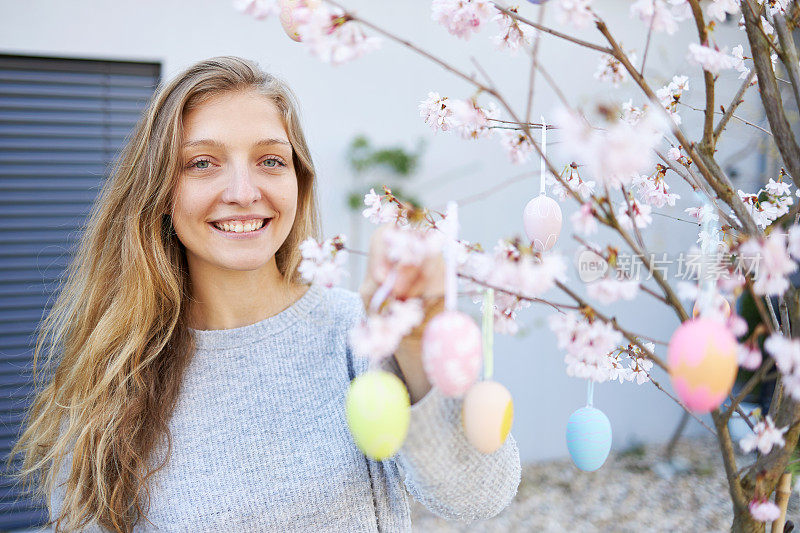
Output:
x=588 y=438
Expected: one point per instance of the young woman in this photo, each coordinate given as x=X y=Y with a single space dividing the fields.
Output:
x=196 y=384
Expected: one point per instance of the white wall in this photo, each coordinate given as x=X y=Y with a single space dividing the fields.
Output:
x=378 y=95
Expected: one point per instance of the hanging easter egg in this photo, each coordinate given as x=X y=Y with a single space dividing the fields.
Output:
x=378 y=413
x=486 y=415
x=702 y=363
x=542 y=221
x=588 y=438
x=287 y=17
x=721 y=304
x=451 y=352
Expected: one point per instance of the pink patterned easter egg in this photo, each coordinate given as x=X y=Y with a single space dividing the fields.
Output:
x=451 y=352
x=287 y=15
x=542 y=220
x=702 y=363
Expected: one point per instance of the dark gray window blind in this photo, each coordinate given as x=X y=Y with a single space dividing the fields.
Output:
x=62 y=121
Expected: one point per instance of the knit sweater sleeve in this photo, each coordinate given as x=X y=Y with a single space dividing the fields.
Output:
x=442 y=470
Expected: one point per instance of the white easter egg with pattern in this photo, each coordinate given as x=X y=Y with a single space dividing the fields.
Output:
x=542 y=221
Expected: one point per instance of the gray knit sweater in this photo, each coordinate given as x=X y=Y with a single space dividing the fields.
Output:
x=261 y=443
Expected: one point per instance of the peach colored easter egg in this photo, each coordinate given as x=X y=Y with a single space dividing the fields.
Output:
x=451 y=352
x=702 y=363
x=542 y=221
x=486 y=415
x=287 y=15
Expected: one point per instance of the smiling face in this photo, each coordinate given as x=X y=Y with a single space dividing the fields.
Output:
x=236 y=166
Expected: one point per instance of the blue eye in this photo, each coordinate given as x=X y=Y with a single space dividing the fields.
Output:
x=276 y=165
x=200 y=164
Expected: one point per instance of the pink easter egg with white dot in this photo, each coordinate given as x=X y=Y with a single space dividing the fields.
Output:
x=542 y=221
x=451 y=352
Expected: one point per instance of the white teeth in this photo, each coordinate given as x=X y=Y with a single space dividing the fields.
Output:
x=237 y=226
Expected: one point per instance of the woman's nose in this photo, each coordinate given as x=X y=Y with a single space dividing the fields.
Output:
x=241 y=187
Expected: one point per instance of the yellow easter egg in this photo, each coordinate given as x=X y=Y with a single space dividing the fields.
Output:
x=378 y=413
x=486 y=415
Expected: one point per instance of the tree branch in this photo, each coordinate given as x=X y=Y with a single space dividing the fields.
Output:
x=770 y=95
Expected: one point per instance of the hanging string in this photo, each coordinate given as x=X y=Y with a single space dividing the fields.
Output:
x=378 y=297
x=451 y=287
x=543 y=170
x=488 y=333
x=708 y=249
x=590 y=394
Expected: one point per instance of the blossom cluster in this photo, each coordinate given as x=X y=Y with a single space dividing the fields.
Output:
x=769 y=203
x=774 y=256
x=329 y=34
x=379 y=334
x=670 y=96
x=765 y=435
x=324 y=262
x=473 y=121
x=572 y=179
x=512 y=269
x=593 y=351
x=615 y=153
x=786 y=353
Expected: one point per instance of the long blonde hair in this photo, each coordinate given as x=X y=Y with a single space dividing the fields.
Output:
x=117 y=337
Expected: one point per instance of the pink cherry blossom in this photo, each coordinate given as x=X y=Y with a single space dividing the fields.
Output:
x=749 y=356
x=720 y=9
x=670 y=95
x=786 y=352
x=633 y=212
x=793 y=244
x=331 y=36
x=378 y=212
x=584 y=221
x=738 y=54
x=323 y=263
x=613 y=154
x=379 y=334
x=640 y=367
x=611 y=70
x=472 y=120
x=764 y=510
x=583 y=188
x=765 y=435
x=712 y=60
x=587 y=345
x=437 y=112
x=517 y=146
x=770 y=261
x=655 y=13
x=462 y=17
x=576 y=13
x=513 y=35
x=653 y=190
x=410 y=246
x=260 y=9
x=609 y=290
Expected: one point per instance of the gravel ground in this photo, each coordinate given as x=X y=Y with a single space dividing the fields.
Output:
x=626 y=494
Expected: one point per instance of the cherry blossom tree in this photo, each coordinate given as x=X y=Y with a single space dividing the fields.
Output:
x=619 y=161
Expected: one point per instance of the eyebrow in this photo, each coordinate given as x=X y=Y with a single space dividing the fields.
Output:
x=218 y=144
